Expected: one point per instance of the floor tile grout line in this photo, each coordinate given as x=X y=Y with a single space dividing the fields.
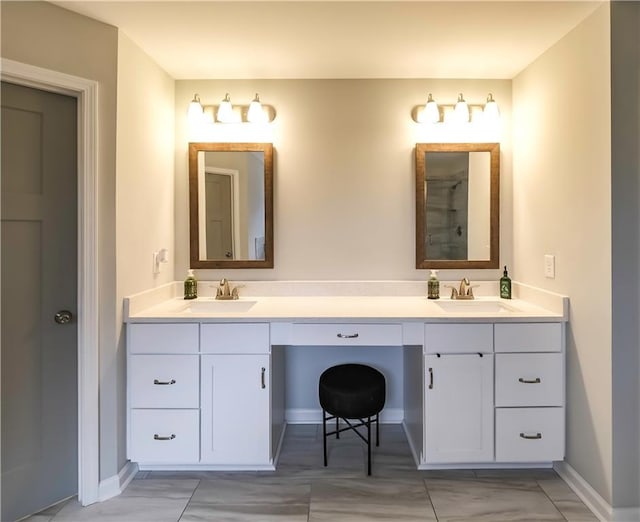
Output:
x=550 y=499
x=426 y=488
x=189 y=500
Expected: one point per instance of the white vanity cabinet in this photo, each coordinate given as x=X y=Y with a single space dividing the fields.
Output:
x=210 y=393
x=530 y=414
x=459 y=393
x=199 y=395
x=235 y=394
x=163 y=394
x=465 y=365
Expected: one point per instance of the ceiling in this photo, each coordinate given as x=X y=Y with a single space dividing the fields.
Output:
x=332 y=39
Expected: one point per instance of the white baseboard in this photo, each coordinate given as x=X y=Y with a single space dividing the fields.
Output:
x=592 y=499
x=314 y=416
x=113 y=486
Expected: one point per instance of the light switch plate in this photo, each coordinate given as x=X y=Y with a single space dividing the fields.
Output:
x=549 y=266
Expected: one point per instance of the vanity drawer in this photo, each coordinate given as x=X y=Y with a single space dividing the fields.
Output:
x=165 y=436
x=458 y=338
x=529 y=434
x=235 y=338
x=346 y=334
x=529 y=379
x=163 y=338
x=528 y=337
x=164 y=381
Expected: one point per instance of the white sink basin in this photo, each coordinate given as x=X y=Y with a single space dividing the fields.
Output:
x=205 y=305
x=475 y=307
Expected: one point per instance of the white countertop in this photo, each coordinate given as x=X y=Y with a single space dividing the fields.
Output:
x=322 y=308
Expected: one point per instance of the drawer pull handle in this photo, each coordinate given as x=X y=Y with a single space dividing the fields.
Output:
x=529 y=381
x=262 y=382
x=348 y=336
x=431 y=378
x=158 y=437
x=164 y=383
x=531 y=437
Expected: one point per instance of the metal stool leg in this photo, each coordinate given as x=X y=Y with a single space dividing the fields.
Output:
x=369 y=446
x=377 y=429
x=324 y=436
x=337 y=429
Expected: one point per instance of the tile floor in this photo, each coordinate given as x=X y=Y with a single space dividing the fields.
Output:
x=302 y=490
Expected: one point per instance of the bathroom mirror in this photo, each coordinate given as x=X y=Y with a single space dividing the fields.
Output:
x=457 y=205
x=231 y=205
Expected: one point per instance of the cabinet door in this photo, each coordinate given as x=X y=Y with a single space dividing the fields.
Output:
x=459 y=408
x=234 y=406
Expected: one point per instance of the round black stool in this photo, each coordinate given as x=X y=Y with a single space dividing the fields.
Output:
x=351 y=391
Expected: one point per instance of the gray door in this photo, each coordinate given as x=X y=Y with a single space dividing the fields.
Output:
x=219 y=216
x=39 y=280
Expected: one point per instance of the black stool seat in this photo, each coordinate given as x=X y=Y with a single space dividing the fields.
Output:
x=351 y=391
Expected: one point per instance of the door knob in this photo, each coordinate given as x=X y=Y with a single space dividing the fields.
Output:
x=63 y=317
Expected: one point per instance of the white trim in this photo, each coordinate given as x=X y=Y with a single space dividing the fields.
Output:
x=592 y=499
x=488 y=465
x=115 y=485
x=314 y=416
x=207 y=467
x=86 y=92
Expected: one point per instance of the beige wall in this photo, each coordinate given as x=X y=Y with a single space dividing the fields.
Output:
x=44 y=35
x=562 y=206
x=144 y=189
x=344 y=172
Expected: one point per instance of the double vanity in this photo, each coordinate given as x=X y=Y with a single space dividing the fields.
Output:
x=482 y=381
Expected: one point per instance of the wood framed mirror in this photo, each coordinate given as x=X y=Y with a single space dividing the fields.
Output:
x=457 y=205
x=231 y=205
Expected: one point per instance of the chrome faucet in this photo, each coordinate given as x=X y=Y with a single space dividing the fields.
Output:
x=224 y=292
x=465 y=291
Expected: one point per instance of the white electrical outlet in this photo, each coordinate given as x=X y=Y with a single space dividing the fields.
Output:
x=549 y=266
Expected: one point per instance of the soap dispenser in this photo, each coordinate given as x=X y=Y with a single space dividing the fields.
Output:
x=505 y=285
x=190 y=286
x=433 y=286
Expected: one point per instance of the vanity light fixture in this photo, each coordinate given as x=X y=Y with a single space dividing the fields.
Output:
x=459 y=113
x=461 y=110
x=195 y=112
x=256 y=112
x=225 y=110
x=491 y=112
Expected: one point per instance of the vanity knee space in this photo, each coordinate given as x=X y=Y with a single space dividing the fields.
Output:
x=495 y=392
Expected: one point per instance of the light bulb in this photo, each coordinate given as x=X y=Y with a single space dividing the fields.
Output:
x=225 y=110
x=461 y=110
x=195 y=114
x=256 y=113
x=491 y=112
x=431 y=113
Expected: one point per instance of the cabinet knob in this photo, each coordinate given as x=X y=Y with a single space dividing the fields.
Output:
x=348 y=336
x=263 y=385
x=531 y=437
x=431 y=378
